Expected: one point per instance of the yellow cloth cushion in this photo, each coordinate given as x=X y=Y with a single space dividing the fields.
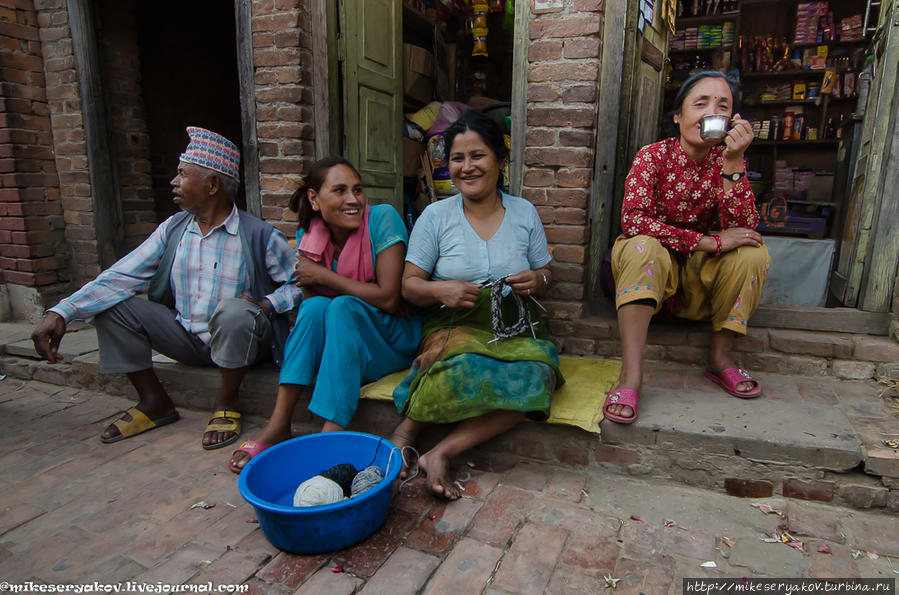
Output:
x=578 y=402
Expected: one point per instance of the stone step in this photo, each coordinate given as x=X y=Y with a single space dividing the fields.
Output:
x=808 y=437
x=781 y=351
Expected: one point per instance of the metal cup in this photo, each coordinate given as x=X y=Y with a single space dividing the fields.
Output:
x=714 y=127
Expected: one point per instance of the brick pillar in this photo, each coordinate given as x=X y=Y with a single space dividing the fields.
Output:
x=282 y=57
x=563 y=70
x=67 y=126
x=32 y=242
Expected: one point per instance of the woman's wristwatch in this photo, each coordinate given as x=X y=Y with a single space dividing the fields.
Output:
x=734 y=177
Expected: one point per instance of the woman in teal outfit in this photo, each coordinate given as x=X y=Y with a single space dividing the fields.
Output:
x=464 y=249
x=352 y=326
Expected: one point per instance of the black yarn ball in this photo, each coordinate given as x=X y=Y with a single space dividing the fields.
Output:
x=342 y=475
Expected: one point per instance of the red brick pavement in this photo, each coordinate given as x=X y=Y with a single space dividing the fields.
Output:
x=75 y=510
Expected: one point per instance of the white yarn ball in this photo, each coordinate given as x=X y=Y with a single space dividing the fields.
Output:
x=316 y=491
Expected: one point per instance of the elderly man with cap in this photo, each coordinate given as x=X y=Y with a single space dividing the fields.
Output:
x=219 y=283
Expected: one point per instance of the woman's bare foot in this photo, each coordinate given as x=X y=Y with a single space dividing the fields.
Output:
x=436 y=467
x=273 y=436
x=405 y=435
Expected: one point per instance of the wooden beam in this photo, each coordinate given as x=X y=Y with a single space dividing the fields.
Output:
x=810 y=318
x=652 y=55
x=880 y=274
x=243 y=14
x=321 y=107
x=105 y=199
x=519 y=107
x=608 y=113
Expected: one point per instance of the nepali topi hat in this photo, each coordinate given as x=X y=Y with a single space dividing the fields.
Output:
x=211 y=150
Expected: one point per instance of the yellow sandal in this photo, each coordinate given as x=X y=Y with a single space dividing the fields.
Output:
x=139 y=424
x=233 y=425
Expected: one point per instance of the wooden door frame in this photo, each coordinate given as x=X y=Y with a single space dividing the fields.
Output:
x=519 y=107
x=243 y=15
x=325 y=115
x=106 y=201
x=879 y=276
x=618 y=70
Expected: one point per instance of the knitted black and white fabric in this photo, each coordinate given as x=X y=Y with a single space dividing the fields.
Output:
x=501 y=331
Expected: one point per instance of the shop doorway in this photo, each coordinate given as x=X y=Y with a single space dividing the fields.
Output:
x=819 y=163
x=189 y=77
x=393 y=59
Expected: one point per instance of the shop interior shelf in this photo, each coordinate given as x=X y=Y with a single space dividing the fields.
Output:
x=784 y=102
x=783 y=73
x=712 y=19
x=812 y=202
x=796 y=143
x=417 y=21
x=694 y=50
x=849 y=42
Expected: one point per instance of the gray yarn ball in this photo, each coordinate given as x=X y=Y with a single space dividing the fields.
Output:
x=316 y=491
x=366 y=480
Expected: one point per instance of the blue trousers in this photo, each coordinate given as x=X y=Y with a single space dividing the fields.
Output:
x=341 y=343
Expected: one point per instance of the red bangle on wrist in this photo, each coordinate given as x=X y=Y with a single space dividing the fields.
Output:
x=717 y=244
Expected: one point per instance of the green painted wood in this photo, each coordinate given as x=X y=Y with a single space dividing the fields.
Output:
x=519 y=96
x=861 y=245
x=880 y=273
x=371 y=36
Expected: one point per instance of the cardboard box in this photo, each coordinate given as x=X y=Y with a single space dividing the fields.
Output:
x=820 y=188
x=411 y=156
x=418 y=73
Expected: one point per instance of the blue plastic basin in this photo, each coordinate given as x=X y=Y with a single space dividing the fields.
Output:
x=270 y=479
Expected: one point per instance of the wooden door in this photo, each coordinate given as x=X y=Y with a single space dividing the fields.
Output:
x=641 y=95
x=370 y=50
x=869 y=249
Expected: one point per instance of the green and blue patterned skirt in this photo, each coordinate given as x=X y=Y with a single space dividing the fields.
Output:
x=462 y=372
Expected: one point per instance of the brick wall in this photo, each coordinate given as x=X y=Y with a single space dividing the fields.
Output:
x=128 y=120
x=563 y=69
x=32 y=242
x=67 y=127
x=282 y=56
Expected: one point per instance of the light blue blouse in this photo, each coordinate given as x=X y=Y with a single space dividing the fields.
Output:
x=444 y=244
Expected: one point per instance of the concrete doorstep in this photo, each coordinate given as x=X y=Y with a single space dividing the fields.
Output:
x=807 y=438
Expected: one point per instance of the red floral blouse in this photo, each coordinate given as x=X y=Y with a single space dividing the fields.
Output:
x=672 y=198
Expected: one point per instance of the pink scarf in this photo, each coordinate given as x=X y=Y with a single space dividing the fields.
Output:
x=355 y=260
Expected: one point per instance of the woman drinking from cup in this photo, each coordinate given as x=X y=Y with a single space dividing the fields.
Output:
x=678 y=192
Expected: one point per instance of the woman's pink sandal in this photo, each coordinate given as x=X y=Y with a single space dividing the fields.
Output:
x=621 y=396
x=730 y=379
x=252 y=448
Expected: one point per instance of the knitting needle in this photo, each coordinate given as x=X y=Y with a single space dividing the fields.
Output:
x=538 y=303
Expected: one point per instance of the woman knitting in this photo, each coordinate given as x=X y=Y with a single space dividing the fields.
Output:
x=353 y=326
x=678 y=191
x=465 y=254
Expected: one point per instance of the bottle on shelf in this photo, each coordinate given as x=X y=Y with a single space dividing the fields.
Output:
x=840 y=127
x=829 y=130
